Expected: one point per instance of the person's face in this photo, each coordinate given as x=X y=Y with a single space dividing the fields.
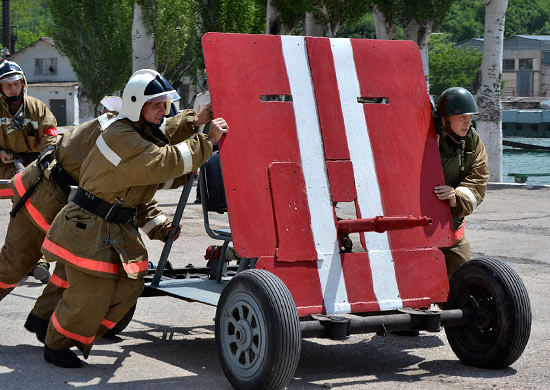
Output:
x=153 y=112
x=460 y=124
x=12 y=88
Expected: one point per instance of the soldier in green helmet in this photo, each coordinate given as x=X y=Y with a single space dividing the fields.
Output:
x=465 y=165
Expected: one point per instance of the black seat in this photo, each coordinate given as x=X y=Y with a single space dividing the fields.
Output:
x=212 y=194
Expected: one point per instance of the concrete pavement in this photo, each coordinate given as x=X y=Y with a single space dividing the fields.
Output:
x=170 y=343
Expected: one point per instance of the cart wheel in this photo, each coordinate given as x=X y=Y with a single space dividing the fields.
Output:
x=501 y=325
x=257 y=331
x=122 y=324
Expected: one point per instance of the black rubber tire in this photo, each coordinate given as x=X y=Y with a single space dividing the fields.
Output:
x=257 y=331
x=501 y=327
x=122 y=324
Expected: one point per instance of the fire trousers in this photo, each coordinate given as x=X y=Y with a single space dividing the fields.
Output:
x=89 y=307
x=20 y=253
x=456 y=255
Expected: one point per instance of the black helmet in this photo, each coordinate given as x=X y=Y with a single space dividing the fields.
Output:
x=456 y=101
x=10 y=71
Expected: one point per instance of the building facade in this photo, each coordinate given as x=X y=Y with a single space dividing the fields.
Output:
x=51 y=78
x=525 y=64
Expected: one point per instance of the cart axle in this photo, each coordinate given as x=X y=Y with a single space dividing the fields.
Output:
x=338 y=328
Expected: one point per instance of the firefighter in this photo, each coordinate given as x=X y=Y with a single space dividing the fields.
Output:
x=465 y=166
x=28 y=227
x=28 y=127
x=94 y=235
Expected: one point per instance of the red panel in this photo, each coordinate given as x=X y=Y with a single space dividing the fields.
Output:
x=292 y=218
x=402 y=139
x=327 y=97
x=358 y=278
x=341 y=180
x=240 y=69
x=422 y=276
x=302 y=280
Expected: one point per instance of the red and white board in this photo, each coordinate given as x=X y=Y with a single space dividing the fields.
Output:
x=315 y=121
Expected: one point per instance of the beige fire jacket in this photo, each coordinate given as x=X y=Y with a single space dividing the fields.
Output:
x=73 y=146
x=126 y=166
x=31 y=129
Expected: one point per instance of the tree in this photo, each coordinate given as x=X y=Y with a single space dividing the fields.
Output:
x=489 y=122
x=523 y=17
x=95 y=36
x=173 y=26
x=31 y=19
x=451 y=66
x=417 y=18
x=321 y=17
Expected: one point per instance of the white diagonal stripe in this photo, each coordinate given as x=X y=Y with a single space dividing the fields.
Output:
x=187 y=157
x=106 y=151
x=329 y=264
x=167 y=185
x=368 y=192
x=153 y=223
x=468 y=192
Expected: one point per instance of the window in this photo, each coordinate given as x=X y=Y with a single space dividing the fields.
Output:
x=45 y=66
x=508 y=64
x=546 y=57
x=525 y=64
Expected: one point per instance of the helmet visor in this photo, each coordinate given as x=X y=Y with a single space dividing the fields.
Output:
x=11 y=77
x=166 y=97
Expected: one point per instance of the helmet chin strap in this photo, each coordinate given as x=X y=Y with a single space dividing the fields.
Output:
x=13 y=99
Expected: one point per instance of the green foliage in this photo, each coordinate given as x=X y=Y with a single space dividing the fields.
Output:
x=400 y=12
x=239 y=16
x=465 y=20
x=451 y=66
x=523 y=17
x=96 y=37
x=325 y=12
x=362 y=28
x=31 y=20
x=527 y=17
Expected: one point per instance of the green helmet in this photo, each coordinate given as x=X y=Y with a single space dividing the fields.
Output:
x=456 y=101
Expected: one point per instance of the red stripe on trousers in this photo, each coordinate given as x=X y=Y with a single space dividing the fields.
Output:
x=73 y=336
x=6 y=286
x=108 y=324
x=82 y=262
x=57 y=281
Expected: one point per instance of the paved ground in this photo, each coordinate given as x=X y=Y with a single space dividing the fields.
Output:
x=170 y=342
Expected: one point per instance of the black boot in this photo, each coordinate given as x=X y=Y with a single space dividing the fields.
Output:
x=62 y=358
x=38 y=326
x=41 y=272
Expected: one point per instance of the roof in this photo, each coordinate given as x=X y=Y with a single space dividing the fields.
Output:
x=535 y=37
x=48 y=40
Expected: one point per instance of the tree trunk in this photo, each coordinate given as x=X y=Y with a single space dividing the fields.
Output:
x=384 y=29
x=420 y=34
x=143 y=42
x=273 y=23
x=312 y=28
x=489 y=122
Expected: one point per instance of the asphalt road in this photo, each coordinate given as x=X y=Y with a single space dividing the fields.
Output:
x=170 y=342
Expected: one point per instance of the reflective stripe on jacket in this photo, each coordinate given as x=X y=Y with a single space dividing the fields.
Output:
x=125 y=166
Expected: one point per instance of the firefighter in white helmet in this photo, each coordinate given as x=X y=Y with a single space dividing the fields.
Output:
x=56 y=170
x=28 y=127
x=95 y=234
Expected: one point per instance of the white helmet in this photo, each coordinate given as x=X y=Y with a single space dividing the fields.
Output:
x=10 y=71
x=146 y=85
